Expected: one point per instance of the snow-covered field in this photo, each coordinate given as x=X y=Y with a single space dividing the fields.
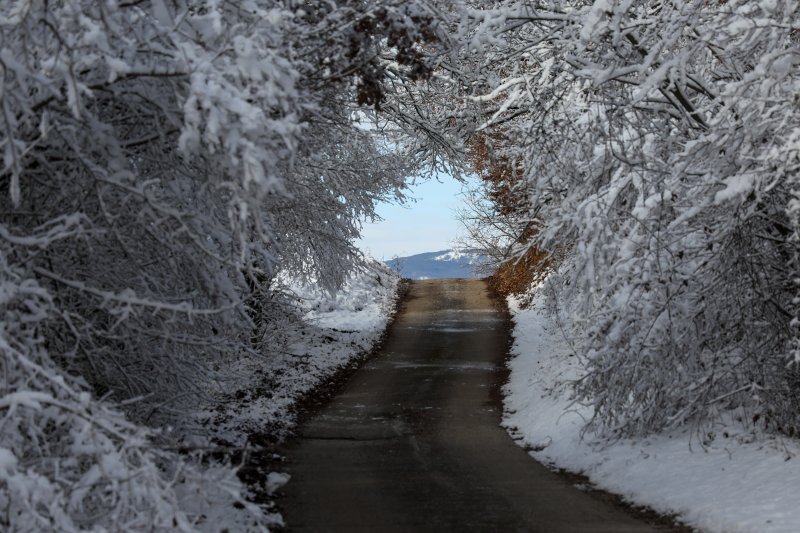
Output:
x=727 y=478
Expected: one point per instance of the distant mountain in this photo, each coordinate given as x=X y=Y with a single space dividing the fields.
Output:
x=441 y=264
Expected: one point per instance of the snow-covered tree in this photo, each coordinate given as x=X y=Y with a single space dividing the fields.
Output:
x=659 y=142
x=161 y=160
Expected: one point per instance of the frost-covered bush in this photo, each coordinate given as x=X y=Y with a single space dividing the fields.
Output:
x=660 y=141
x=69 y=462
x=160 y=162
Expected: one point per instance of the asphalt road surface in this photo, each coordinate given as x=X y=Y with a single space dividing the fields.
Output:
x=413 y=442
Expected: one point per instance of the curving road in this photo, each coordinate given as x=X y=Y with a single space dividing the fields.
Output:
x=413 y=443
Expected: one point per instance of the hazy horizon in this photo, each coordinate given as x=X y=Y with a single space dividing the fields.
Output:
x=426 y=225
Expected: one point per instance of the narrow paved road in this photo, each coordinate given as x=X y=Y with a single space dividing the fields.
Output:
x=414 y=444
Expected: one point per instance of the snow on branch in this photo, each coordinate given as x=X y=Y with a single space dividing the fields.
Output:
x=656 y=143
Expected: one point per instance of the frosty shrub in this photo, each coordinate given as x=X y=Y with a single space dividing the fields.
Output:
x=500 y=222
x=160 y=161
x=69 y=462
x=660 y=142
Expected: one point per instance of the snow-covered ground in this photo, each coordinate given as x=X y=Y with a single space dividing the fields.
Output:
x=332 y=332
x=728 y=479
x=256 y=403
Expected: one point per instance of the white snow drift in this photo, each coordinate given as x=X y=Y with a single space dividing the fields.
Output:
x=721 y=478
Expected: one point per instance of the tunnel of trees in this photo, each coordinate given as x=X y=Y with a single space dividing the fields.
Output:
x=163 y=160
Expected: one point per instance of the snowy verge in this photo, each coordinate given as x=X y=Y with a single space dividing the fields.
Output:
x=323 y=333
x=727 y=479
x=254 y=407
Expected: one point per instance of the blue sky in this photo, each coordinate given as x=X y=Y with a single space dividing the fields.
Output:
x=427 y=225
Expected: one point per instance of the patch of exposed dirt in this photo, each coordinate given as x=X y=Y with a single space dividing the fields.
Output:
x=645 y=514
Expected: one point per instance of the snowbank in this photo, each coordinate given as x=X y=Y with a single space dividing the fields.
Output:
x=727 y=480
x=331 y=331
x=256 y=398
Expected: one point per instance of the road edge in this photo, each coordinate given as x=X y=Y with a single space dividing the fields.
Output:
x=641 y=512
